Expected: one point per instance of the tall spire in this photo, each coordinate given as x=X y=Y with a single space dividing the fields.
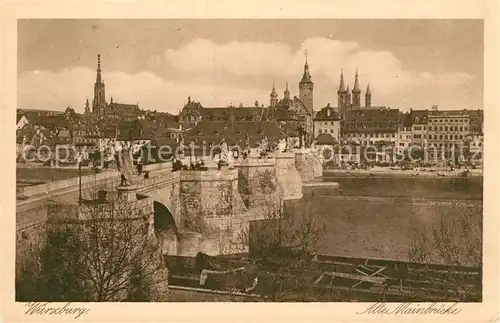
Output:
x=306 y=78
x=356 y=83
x=342 y=85
x=368 y=97
x=87 y=106
x=98 y=80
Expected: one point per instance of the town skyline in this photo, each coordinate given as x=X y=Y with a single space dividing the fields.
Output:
x=235 y=66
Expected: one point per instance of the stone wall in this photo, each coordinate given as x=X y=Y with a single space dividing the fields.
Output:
x=30 y=230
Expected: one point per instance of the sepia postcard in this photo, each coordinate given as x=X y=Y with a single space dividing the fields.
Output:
x=193 y=161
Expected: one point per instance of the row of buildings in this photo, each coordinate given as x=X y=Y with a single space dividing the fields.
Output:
x=349 y=122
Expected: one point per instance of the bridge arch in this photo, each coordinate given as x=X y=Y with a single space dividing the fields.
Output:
x=165 y=228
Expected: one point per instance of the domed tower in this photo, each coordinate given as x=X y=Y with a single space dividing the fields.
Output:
x=356 y=92
x=306 y=88
x=287 y=92
x=274 y=97
x=368 y=97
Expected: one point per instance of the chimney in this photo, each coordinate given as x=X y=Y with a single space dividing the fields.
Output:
x=435 y=107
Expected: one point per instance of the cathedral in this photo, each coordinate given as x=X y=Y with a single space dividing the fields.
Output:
x=348 y=100
x=101 y=109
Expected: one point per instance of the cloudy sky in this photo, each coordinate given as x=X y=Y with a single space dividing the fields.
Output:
x=159 y=63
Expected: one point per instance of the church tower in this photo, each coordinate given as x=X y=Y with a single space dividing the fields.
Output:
x=356 y=93
x=274 y=97
x=368 y=97
x=306 y=88
x=342 y=94
x=287 y=92
x=87 y=107
x=99 y=102
x=348 y=93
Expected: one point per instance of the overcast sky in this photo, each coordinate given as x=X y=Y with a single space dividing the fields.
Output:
x=159 y=63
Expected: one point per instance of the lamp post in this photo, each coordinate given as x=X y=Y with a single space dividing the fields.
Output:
x=79 y=161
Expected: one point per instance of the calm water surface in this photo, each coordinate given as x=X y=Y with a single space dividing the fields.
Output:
x=379 y=217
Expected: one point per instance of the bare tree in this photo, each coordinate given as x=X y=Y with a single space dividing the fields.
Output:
x=455 y=243
x=284 y=246
x=106 y=252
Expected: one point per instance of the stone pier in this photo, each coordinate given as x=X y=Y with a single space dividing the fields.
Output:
x=308 y=165
x=212 y=206
x=287 y=175
x=258 y=186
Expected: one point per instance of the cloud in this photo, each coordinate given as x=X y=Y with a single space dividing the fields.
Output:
x=71 y=87
x=217 y=74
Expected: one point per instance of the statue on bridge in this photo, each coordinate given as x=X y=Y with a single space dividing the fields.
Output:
x=263 y=147
x=246 y=151
x=223 y=155
x=125 y=166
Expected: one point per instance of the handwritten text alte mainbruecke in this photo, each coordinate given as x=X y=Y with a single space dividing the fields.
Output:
x=412 y=309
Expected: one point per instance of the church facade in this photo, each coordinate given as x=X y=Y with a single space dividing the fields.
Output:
x=101 y=109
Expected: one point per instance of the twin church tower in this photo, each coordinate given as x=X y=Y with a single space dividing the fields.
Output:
x=345 y=98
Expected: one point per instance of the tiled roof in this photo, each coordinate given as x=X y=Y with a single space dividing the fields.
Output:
x=290 y=128
x=122 y=109
x=325 y=139
x=280 y=113
x=405 y=119
x=328 y=113
x=419 y=116
x=171 y=121
x=234 y=132
x=38 y=112
x=443 y=113
x=371 y=120
x=49 y=121
x=239 y=114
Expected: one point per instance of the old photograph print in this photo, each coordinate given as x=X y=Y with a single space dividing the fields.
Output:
x=254 y=160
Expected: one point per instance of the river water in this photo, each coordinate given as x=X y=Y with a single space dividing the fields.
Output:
x=379 y=217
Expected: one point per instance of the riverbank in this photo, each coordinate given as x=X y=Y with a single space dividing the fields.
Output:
x=386 y=172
